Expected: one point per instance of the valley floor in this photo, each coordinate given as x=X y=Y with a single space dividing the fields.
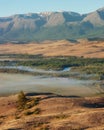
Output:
x=57 y=48
x=54 y=112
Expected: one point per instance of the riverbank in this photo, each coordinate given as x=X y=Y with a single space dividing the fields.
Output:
x=59 y=75
x=75 y=67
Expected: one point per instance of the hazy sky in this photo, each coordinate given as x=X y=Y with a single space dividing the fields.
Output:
x=10 y=7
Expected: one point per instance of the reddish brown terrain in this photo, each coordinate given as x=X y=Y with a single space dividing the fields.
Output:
x=54 y=113
x=57 y=48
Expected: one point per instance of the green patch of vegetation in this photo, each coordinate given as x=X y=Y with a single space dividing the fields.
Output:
x=93 y=67
x=44 y=128
x=37 y=124
x=61 y=116
x=28 y=113
x=37 y=111
x=96 y=71
x=43 y=125
x=36 y=100
x=22 y=100
x=58 y=63
x=17 y=117
x=32 y=102
x=24 y=103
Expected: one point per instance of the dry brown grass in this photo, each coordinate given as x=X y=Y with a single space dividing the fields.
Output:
x=57 y=113
x=57 y=48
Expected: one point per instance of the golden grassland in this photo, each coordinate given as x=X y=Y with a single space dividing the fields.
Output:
x=57 y=48
x=56 y=113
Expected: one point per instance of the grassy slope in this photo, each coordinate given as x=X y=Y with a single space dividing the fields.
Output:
x=57 y=48
x=56 y=113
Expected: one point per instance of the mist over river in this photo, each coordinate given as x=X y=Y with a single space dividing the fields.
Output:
x=13 y=83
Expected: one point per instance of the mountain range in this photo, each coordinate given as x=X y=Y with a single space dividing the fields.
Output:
x=52 y=26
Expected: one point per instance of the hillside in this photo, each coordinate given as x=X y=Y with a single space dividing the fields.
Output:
x=51 y=26
x=80 y=48
x=53 y=113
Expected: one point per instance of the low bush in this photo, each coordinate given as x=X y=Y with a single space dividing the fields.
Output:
x=28 y=113
x=37 y=111
x=22 y=100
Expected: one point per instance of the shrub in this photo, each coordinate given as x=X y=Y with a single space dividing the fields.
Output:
x=37 y=111
x=21 y=100
x=28 y=113
x=36 y=101
x=44 y=127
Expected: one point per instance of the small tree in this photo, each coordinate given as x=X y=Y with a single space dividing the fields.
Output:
x=21 y=100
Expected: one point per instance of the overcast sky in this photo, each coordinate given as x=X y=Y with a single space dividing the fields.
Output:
x=10 y=7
